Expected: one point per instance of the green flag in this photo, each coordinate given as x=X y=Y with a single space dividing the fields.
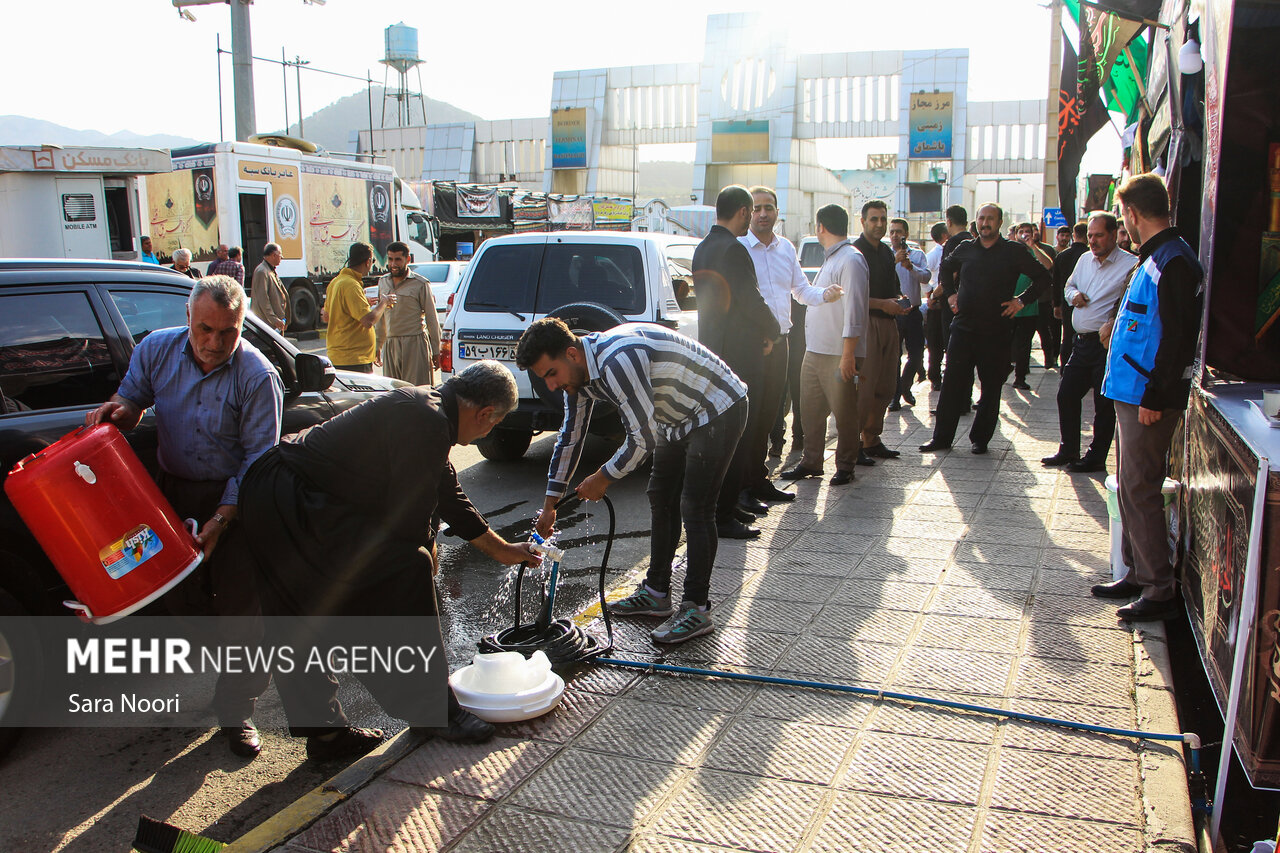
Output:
x=1110 y=35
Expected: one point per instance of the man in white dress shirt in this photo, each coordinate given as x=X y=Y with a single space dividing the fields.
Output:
x=778 y=276
x=1092 y=291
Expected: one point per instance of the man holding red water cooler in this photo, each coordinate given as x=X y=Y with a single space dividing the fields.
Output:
x=218 y=405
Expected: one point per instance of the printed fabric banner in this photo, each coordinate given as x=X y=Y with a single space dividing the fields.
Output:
x=478 y=203
x=286 y=210
x=172 y=218
x=337 y=216
x=611 y=215
x=929 y=114
x=571 y=214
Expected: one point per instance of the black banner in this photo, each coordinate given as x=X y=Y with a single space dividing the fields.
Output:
x=1081 y=113
x=1221 y=480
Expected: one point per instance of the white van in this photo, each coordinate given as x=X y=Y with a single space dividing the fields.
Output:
x=593 y=280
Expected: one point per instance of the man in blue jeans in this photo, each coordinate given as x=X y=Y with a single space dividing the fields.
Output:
x=679 y=402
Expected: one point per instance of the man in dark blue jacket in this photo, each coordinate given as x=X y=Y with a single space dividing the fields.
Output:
x=1149 y=364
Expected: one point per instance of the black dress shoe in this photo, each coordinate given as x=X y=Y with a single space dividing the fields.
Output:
x=1021 y=385
x=243 y=739
x=736 y=530
x=977 y=448
x=1086 y=466
x=464 y=727
x=842 y=478
x=908 y=398
x=881 y=452
x=1146 y=610
x=895 y=407
x=934 y=447
x=743 y=515
x=1122 y=588
x=1057 y=459
x=350 y=742
x=770 y=492
x=799 y=473
x=864 y=459
x=750 y=504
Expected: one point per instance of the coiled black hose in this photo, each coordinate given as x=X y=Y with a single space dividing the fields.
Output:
x=561 y=640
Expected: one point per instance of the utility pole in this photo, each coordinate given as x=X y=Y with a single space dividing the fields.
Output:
x=1051 y=197
x=242 y=70
x=241 y=60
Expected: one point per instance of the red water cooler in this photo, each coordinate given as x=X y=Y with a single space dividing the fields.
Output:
x=103 y=523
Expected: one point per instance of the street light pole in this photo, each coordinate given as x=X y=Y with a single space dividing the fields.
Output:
x=242 y=70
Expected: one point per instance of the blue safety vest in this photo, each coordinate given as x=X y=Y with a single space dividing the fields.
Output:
x=1135 y=337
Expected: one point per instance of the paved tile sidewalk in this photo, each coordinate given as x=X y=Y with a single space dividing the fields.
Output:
x=957 y=576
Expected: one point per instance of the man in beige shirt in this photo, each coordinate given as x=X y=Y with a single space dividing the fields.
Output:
x=267 y=297
x=409 y=332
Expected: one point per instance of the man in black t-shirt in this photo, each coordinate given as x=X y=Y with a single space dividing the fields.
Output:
x=979 y=279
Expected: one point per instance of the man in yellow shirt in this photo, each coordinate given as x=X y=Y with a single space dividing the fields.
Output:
x=351 y=343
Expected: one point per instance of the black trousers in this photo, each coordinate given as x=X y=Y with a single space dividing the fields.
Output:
x=911 y=333
x=1024 y=330
x=1068 y=333
x=985 y=349
x=773 y=391
x=222 y=586
x=737 y=477
x=791 y=399
x=685 y=478
x=1050 y=329
x=937 y=333
x=1084 y=372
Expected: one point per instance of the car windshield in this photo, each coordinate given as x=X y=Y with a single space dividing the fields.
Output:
x=811 y=254
x=434 y=273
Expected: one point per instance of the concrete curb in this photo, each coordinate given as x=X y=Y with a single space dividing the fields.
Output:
x=1169 y=822
x=310 y=807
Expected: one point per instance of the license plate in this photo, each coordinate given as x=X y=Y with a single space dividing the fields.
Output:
x=477 y=351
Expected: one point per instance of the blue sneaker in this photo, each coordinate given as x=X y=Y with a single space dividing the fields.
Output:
x=687 y=622
x=642 y=602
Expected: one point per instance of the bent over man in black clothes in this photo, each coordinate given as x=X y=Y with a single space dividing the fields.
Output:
x=342 y=520
x=987 y=271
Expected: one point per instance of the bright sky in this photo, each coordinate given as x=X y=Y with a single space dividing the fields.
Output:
x=148 y=71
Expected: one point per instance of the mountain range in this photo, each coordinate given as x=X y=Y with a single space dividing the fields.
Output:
x=330 y=127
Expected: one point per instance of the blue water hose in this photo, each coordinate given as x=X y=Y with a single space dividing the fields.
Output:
x=1191 y=739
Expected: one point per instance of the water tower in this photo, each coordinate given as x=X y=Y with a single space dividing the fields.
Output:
x=402 y=55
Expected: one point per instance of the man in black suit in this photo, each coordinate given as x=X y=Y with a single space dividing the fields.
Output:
x=736 y=324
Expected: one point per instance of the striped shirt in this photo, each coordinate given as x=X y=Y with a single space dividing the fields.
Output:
x=659 y=380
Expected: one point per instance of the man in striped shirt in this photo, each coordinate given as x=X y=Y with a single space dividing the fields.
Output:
x=679 y=402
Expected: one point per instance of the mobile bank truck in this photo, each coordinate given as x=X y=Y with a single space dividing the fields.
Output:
x=288 y=192
x=82 y=203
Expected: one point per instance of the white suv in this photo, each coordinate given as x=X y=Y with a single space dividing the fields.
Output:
x=593 y=280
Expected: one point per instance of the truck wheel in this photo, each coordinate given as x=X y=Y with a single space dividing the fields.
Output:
x=504 y=445
x=581 y=318
x=304 y=308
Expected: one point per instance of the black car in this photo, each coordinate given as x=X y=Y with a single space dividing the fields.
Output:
x=67 y=329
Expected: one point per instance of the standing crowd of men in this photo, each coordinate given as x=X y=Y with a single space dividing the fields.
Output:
x=705 y=411
x=331 y=523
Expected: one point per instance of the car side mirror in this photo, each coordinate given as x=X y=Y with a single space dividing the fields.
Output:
x=315 y=372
